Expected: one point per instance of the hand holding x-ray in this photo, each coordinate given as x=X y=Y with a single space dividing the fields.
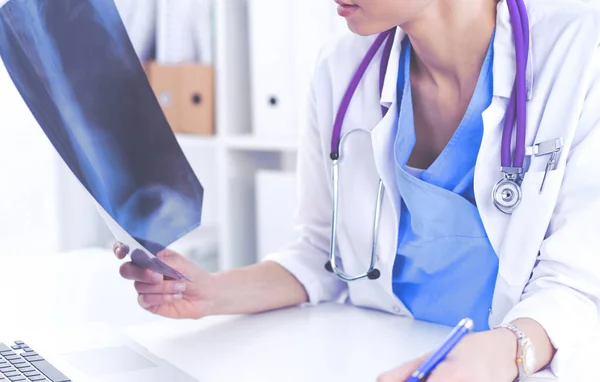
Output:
x=77 y=71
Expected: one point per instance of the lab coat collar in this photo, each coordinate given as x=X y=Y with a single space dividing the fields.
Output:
x=390 y=82
x=504 y=69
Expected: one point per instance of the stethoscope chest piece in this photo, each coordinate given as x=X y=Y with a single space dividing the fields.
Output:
x=507 y=195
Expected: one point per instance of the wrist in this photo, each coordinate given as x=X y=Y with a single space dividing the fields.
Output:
x=257 y=288
x=507 y=346
x=217 y=294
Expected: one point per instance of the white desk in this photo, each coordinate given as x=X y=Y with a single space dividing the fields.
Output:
x=324 y=343
x=66 y=290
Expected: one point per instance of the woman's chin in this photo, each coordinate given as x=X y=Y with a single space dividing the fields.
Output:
x=364 y=29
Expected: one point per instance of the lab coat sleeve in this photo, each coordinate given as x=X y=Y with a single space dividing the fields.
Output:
x=563 y=294
x=306 y=257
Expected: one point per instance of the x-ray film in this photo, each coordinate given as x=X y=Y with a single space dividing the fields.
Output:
x=77 y=71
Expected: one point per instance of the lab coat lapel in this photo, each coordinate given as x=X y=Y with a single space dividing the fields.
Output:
x=385 y=132
x=390 y=83
x=383 y=137
x=487 y=171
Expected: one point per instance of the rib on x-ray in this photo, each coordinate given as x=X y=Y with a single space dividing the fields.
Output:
x=77 y=71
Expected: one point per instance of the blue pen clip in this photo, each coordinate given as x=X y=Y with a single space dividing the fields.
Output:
x=463 y=328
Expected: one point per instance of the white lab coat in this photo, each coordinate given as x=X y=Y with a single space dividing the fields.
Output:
x=549 y=249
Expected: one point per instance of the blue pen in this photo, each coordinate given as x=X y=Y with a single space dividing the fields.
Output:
x=463 y=328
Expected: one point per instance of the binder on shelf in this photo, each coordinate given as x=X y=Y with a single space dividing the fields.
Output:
x=182 y=75
x=312 y=28
x=197 y=105
x=285 y=40
x=185 y=93
x=271 y=57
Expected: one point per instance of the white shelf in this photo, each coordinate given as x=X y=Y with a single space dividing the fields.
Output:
x=197 y=140
x=200 y=246
x=242 y=151
x=256 y=143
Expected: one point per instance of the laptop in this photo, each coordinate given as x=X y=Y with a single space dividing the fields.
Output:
x=95 y=353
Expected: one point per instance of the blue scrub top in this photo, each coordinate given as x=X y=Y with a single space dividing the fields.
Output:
x=445 y=267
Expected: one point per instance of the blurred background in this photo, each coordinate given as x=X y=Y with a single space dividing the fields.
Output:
x=231 y=77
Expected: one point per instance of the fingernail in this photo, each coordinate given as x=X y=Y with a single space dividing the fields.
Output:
x=156 y=278
x=143 y=302
x=178 y=296
x=179 y=287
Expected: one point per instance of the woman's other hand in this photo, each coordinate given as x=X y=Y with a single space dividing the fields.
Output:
x=486 y=356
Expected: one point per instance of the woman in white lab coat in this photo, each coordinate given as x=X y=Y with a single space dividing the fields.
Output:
x=444 y=250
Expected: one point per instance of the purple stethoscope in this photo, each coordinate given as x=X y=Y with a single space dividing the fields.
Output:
x=506 y=194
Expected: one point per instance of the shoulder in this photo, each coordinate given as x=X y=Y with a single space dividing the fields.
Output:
x=345 y=44
x=562 y=4
x=565 y=6
x=336 y=66
x=565 y=42
x=565 y=39
x=340 y=56
x=577 y=18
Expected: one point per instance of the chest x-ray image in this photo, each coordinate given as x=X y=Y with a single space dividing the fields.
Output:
x=77 y=71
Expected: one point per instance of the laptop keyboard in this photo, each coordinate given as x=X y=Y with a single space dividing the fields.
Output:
x=20 y=363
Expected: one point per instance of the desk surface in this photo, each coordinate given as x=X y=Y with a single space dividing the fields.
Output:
x=67 y=290
x=323 y=343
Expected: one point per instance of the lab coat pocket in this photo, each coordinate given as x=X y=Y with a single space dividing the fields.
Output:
x=529 y=224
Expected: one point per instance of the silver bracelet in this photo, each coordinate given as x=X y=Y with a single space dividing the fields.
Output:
x=525 y=358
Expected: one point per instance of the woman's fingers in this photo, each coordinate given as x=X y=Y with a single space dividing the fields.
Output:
x=173 y=259
x=130 y=271
x=166 y=287
x=149 y=301
x=402 y=373
x=120 y=250
x=447 y=371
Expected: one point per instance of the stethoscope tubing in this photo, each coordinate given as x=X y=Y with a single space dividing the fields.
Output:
x=507 y=192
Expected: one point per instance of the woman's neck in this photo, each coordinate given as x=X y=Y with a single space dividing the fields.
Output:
x=450 y=40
